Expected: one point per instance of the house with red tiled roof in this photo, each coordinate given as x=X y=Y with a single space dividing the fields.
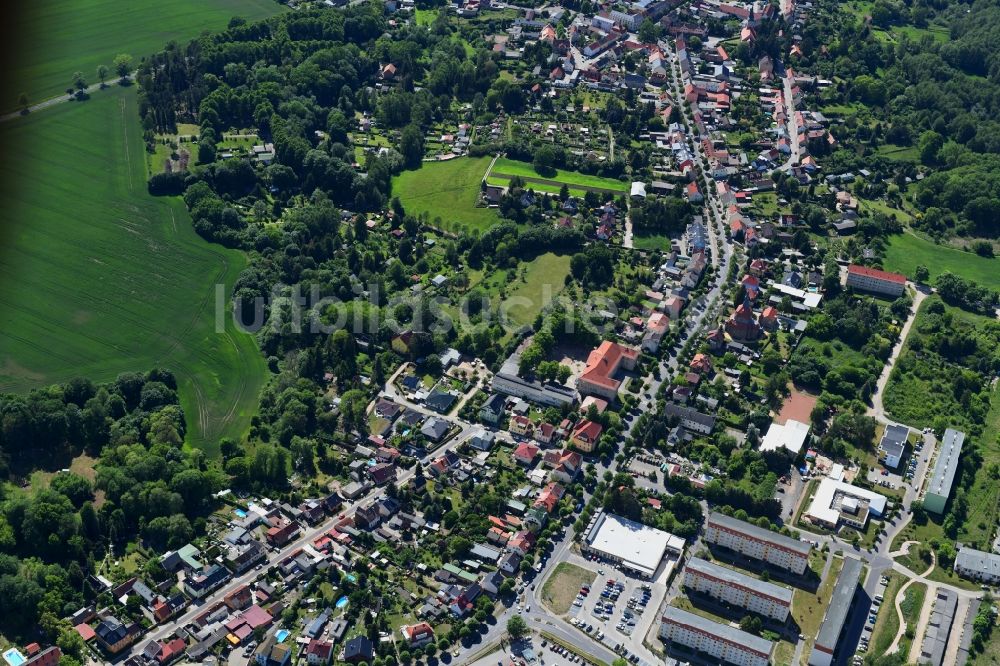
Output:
x=525 y=453
x=520 y=425
x=545 y=433
x=319 y=652
x=603 y=363
x=769 y=318
x=701 y=364
x=417 y=634
x=522 y=542
x=585 y=435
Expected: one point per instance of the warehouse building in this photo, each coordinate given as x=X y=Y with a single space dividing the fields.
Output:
x=757 y=542
x=825 y=647
x=939 y=487
x=738 y=589
x=637 y=547
x=721 y=641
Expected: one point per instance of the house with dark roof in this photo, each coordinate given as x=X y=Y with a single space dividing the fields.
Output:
x=434 y=429
x=207 y=580
x=113 y=636
x=439 y=401
x=358 y=649
x=492 y=410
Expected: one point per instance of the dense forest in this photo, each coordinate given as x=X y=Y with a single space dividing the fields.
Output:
x=943 y=98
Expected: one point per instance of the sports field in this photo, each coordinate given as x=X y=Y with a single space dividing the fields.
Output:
x=907 y=251
x=508 y=167
x=97 y=277
x=60 y=37
x=447 y=190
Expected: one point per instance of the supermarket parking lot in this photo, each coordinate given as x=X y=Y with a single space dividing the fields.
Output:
x=619 y=609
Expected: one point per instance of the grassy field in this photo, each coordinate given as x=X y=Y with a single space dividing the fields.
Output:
x=537 y=187
x=887 y=623
x=563 y=584
x=899 y=153
x=515 y=168
x=907 y=251
x=651 y=242
x=808 y=608
x=98 y=278
x=447 y=190
x=61 y=37
x=543 y=279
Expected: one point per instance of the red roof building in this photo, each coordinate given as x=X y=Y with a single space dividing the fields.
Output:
x=875 y=281
x=585 y=435
x=602 y=364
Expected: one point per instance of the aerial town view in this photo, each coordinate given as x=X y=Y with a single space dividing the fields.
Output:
x=475 y=332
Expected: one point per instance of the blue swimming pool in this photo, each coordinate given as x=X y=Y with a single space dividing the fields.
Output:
x=13 y=657
x=240 y=512
x=352 y=578
x=280 y=635
x=341 y=602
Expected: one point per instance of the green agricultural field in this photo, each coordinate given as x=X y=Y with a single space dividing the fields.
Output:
x=65 y=36
x=907 y=251
x=98 y=278
x=543 y=279
x=514 y=168
x=447 y=190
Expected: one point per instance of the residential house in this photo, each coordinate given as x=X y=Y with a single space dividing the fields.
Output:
x=434 y=429
x=525 y=454
x=113 y=636
x=319 y=652
x=440 y=401
x=482 y=440
x=358 y=649
x=510 y=563
x=585 y=435
x=417 y=635
x=206 y=581
x=492 y=410
x=520 y=425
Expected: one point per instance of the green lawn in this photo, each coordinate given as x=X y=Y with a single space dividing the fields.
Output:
x=447 y=190
x=906 y=251
x=651 y=242
x=887 y=623
x=61 y=37
x=537 y=187
x=899 y=153
x=543 y=278
x=98 y=278
x=809 y=608
x=515 y=168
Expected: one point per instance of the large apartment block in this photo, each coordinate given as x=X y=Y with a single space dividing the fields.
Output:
x=756 y=542
x=825 y=648
x=738 y=589
x=721 y=641
x=875 y=281
x=939 y=488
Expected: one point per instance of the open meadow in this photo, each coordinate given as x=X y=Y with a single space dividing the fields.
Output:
x=447 y=190
x=60 y=37
x=906 y=251
x=98 y=278
x=506 y=167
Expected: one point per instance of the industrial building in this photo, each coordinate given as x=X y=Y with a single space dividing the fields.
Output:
x=738 y=589
x=637 y=547
x=756 y=542
x=721 y=641
x=939 y=488
x=825 y=647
